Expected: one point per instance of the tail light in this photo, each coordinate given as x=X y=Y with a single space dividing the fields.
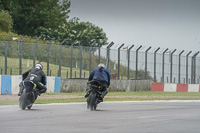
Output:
x=90 y=85
x=99 y=87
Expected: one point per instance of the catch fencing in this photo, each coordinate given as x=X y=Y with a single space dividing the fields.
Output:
x=124 y=62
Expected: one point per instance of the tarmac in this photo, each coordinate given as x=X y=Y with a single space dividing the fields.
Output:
x=110 y=117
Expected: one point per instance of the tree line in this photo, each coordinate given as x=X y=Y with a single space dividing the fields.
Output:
x=49 y=19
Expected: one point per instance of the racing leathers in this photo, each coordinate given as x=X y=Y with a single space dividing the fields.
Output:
x=37 y=76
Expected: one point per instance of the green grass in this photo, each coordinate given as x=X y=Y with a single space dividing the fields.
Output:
x=143 y=93
x=13 y=63
x=149 y=93
x=9 y=102
x=116 y=96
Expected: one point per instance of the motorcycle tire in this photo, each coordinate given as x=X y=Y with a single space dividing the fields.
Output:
x=23 y=101
x=29 y=106
x=91 y=101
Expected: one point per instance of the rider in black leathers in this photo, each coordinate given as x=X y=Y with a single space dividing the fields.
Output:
x=37 y=76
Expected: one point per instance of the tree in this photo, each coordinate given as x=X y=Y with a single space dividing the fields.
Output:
x=36 y=17
x=49 y=18
x=85 y=32
x=6 y=22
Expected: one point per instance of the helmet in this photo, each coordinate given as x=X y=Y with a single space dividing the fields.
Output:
x=39 y=66
x=101 y=65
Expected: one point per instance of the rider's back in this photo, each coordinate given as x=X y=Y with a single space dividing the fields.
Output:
x=101 y=74
x=35 y=75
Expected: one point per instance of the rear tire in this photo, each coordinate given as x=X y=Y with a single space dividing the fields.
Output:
x=29 y=106
x=91 y=101
x=23 y=101
x=95 y=106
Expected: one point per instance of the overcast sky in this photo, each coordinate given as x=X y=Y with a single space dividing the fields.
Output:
x=157 y=23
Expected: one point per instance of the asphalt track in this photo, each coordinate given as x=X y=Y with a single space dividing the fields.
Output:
x=110 y=117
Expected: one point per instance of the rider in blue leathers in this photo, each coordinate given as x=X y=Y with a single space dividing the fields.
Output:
x=102 y=75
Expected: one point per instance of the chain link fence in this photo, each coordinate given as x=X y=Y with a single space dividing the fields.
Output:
x=78 y=61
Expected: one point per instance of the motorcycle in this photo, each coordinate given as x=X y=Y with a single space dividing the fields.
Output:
x=94 y=95
x=28 y=96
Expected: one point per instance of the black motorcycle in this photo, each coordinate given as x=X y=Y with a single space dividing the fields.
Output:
x=28 y=96
x=95 y=93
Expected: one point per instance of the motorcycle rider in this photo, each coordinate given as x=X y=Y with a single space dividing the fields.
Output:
x=102 y=75
x=37 y=76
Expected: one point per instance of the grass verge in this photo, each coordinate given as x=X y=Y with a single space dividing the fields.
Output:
x=111 y=96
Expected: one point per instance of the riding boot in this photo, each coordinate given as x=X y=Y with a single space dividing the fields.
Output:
x=87 y=92
x=104 y=93
x=100 y=99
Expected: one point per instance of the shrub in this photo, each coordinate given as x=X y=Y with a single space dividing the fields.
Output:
x=6 y=22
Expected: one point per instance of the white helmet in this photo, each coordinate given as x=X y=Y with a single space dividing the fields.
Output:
x=39 y=66
x=101 y=65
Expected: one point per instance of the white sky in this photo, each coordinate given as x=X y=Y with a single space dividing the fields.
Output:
x=157 y=23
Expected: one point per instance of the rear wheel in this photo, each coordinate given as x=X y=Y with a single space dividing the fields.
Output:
x=91 y=101
x=23 y=101
x=95 y=106
x=29 y=106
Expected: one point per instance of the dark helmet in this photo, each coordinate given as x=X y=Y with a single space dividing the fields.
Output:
x=39 y=66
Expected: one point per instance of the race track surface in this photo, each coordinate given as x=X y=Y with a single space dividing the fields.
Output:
x=110 y=117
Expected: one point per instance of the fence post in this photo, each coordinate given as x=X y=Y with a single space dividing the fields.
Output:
x=75 y=74
x=155 y=63
x=90 y=59
x=35 y=50
x=163 y=65
x=10 y=71
x=60 y=57
x=20 y=54
x=146 y=62
x=67 y=75
x=48 y=50
x=99 y=55
x=6 y=53
x=119 y=60
x=193 y=68
x=128 y=75
x=179 y=67
x=136 y=68
x=71 y=59
x=80 y=56
x=108 y=55
x=187 y=66
x=171 y=62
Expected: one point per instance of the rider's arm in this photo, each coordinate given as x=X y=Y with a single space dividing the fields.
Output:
x=43 y=79
x=108 y=74
x=24 y=75
x=91 y=76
